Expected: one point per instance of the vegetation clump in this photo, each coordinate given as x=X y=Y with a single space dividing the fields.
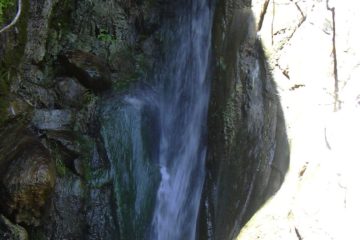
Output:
x=4 y=4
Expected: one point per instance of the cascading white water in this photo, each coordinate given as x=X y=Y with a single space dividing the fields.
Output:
x=183 y=101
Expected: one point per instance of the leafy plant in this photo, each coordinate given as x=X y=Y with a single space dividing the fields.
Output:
x=60 y=167
x=4 y=4
x=89 y=97
x=105 y=36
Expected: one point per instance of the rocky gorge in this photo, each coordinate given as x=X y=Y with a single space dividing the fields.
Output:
x=82 y=126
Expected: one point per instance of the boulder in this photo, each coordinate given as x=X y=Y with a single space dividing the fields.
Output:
x=90 y=70
x=28 y=182
x=27 y=174
x=69 y=92
x=52 y=119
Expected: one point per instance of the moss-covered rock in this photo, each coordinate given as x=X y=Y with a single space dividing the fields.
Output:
x=11 y=231
x=108 y=33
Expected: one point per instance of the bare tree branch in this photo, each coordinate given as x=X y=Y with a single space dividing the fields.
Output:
x=262 y=14
x=16 y=18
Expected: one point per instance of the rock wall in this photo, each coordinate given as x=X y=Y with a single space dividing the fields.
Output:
x=248 y=152
x=57 y=63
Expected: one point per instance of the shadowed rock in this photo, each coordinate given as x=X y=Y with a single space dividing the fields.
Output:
x=248 y=151
x=90 y=70
x=70 y=92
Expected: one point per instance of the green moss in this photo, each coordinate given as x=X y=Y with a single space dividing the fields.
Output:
x=60 y=166
x=105 y=36
x=89 y=97
x=61 y=169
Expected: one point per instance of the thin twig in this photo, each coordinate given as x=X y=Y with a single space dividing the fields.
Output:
x=13 y=22
x=272 y=23
x=303 y=18
x=298 y=234
x=263 y=13
x=337 y=102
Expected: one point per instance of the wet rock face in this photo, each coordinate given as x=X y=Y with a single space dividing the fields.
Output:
x=90 y=70
x=27 y=175
x=128 y=133
x=248 y=152
x=67 y=208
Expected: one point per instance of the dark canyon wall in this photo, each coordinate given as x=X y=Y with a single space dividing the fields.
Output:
x=248 y=151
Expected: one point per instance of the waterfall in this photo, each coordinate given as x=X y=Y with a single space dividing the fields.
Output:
x=155 y=135
x=183 y=91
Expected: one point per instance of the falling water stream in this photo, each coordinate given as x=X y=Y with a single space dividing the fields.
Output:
x=155 y=135
x=184 y=95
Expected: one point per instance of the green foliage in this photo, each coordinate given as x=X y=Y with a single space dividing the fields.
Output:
x=105 y=36
x=89 y=97
x=60 y=166
x=4 y=4
x=61 y=169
